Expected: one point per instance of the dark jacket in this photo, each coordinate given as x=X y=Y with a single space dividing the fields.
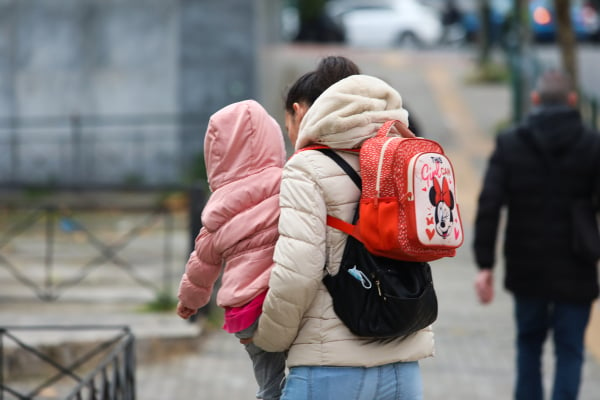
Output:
x=536 y=171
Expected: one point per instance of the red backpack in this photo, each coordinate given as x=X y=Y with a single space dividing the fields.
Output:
x=408 y=209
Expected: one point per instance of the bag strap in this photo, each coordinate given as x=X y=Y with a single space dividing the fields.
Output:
x=343 y=164
x=403 y=130
x=329 y=152
x=334 y=222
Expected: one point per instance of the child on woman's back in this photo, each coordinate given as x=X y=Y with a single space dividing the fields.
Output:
x=244 y=154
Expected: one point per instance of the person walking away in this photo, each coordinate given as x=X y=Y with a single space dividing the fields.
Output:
x=325 y=360
x=451 y=17
x=545 y=172
x=244 y=153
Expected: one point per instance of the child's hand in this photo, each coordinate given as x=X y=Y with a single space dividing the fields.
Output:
x=184 y=312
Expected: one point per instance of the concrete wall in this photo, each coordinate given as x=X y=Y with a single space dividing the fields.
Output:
x=97 y=57
x=112 y=58
x=216 y=59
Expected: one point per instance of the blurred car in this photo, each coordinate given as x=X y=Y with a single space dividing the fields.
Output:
x=290 y=23
x=324 y=29
x=387 y=23
x=584 y=17
x=499 y=13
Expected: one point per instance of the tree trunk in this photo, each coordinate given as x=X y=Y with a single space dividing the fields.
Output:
x=484 y=39
x=566 y=39
x=519 y=50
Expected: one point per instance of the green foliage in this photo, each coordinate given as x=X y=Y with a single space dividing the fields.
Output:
x=489 y=72
x=133 y=179
x=197 y=172
x=502 y=125
x=215 y=317
x=37 y=193
x=163 y=302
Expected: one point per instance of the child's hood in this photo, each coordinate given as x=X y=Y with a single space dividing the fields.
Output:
x=242 y=139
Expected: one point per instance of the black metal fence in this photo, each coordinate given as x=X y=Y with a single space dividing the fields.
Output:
x=141 y=156
x=81 y=234
x=104 y=370
x=80 y=200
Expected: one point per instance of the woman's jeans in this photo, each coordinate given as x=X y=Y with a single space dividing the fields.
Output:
x=398 y=381
x=534 y=318
x=269 y=368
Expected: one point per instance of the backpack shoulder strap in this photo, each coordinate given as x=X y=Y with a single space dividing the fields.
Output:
x=334 y=222
x=343 y=165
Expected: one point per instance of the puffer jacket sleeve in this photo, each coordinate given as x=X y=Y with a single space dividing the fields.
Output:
x=299 y=257
x=201 y=272
x=491 y=200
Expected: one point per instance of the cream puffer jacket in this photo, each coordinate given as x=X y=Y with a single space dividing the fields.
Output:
x=298 y=314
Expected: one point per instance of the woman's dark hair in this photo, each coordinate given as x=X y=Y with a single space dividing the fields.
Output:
x=310 y=85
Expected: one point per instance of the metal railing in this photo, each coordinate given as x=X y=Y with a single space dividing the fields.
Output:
x=85 y=151
x=105 y=371
x=90 y=249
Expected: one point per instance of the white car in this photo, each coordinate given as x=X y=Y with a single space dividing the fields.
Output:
x=387 y=23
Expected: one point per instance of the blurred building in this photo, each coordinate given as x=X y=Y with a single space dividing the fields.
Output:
x=96 y=79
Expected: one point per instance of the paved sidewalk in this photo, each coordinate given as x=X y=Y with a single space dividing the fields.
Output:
x=474 y=353
x=474 y=344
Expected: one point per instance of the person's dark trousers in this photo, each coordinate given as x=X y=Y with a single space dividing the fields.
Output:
x=567 y=322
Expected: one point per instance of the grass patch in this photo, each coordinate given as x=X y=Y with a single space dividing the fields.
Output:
x=490 y=72
x=133 y=179
x=215 y=317
x=502 y=125
x=37 y=193
x=163 y=302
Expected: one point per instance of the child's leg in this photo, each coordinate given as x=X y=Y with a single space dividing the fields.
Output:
x=269 y=371
x=269 y=368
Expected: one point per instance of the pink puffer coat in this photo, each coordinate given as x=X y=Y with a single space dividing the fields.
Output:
x=244 y=153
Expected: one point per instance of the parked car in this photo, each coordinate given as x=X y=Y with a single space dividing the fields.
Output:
x=584 y=17
x=323 y=30
x=387 y=23
x=499 y=13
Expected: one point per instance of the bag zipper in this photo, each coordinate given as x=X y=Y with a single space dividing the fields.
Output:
x=411 y=177
x=380 y=165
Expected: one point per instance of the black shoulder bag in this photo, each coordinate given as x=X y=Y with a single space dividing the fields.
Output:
x=376 y=296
